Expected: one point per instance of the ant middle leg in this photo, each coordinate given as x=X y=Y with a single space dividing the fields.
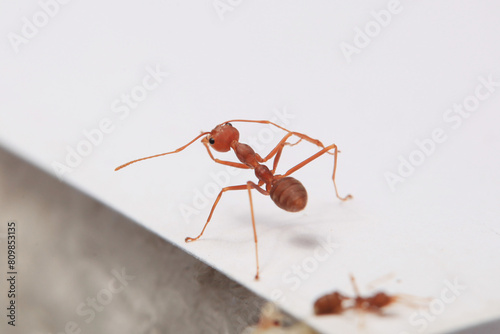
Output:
x=276 y=152
x=241 y=187
x=247 y=186
x=281 y=146
x=251 y=185
x=284 y=142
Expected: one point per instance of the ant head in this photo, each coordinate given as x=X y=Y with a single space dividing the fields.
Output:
x=221 y=137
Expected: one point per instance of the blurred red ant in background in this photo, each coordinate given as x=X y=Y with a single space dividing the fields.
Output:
x=337 y=303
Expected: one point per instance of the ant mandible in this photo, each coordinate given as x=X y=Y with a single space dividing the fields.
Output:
x=285 y=191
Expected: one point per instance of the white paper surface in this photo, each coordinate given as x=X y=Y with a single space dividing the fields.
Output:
x=83 y=66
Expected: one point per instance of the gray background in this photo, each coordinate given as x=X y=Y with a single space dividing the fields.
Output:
x=68 y=247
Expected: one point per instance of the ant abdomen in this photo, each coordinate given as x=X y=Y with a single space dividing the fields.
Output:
x=331 y=303
x=289 y=194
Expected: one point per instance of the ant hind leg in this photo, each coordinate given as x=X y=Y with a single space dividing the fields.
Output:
x=315 y=156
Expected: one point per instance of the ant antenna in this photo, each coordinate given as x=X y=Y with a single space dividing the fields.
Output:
x=257 y=121
x=159 y=155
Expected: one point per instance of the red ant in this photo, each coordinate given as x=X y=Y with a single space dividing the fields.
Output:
x=285 y=191
x=335 y=302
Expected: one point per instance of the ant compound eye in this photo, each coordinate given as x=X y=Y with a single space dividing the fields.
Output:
x=211 y=141
x=229 y=124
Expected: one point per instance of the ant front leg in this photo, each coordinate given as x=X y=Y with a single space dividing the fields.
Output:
x=320 y=153
x=223 y=162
